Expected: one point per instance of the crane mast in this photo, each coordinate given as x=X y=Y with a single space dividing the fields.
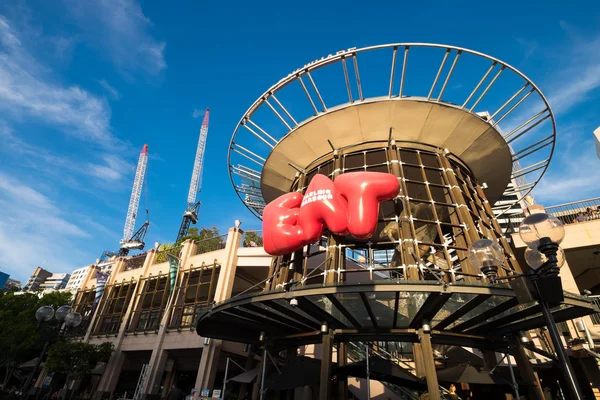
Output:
x=130 y=239
x=191 y=213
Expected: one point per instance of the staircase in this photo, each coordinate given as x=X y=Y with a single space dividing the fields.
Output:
x=356 y=352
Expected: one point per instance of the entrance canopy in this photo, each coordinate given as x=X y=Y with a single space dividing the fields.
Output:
x=466 y=314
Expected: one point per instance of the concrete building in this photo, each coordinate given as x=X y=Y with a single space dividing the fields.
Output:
x=406 y=292
x=12 y=283
x=78 y=276
x=38 y=277
x=597 y=140
x=3 y=279
x=55 y=281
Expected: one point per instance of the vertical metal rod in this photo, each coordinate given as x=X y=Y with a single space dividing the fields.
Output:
x=512 y=376
x=284 y=109
x=312 y=103
x=368 y=371
x=524 y=124
x=403 y=71
x=393 y=72
x=348 y=88
x=438 y=74
x=487 y=88
x=258 y=136
x=449 y=75
x=509 y=100
x=312 y=82
x=479 y=84
x=225 y=379
x=278 y=115
x=262 y=378
x=360 y=95
x=564 y=362
x=513 y=107
x=262 y=130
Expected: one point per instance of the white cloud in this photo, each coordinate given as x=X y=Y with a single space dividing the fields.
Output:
x=121 y=30
x=109 y=167
x=27 y=92
x=113 y=168
x=198 y=113
x=114 y=93
x=34 y=230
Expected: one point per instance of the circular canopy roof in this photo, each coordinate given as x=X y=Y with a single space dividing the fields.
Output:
x=481 y=109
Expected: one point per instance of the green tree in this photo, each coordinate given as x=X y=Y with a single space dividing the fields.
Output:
x=208 y=239
x=76 y=360
x=20 y=338
x=252 y=239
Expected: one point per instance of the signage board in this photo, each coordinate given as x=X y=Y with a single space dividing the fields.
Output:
x=348 y=205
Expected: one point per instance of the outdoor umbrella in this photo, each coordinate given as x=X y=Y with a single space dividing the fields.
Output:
x=302 y=371
x=467 y=373
x=30 y=364
x=245 y=377
x=382 y=370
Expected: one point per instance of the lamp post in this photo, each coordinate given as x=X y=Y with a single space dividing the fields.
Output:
x=65 y=317
x=542 y=233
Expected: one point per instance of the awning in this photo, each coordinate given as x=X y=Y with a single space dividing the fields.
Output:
x=246 y=377
x=382 y=370
x=466 y=373
x=99 y=369
x=303 y=371
x=30 y=363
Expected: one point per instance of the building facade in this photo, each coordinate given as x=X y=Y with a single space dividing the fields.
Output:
x=36 y=279
x=12 y=283
x=77 y=277
x=55 y=281
x=3 y=279
x=371 y=204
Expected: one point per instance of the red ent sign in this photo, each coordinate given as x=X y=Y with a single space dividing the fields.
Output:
x=348 y=205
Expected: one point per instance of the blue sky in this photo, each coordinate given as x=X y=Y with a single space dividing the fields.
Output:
x=83 y=85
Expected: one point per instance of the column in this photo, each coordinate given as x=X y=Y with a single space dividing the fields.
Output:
x=209 y=361
x=342 y=359
x=527 y=375
x=429 y=363
x=247 y=367
x=327 y=349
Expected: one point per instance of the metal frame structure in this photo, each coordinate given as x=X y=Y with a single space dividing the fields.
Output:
x=131 y=240
x=193 y=295
x=114 y=303
x=190 y=216
x=480 y=316
x=531 y=152
x=150 y=304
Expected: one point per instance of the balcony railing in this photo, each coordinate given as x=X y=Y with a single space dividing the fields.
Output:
x=252 y=239
x=135 y=262
x=596 y=316
x=211 y=244
x=579 y=211
x=163 y=255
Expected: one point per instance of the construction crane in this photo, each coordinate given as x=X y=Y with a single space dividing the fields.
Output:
x=131 y=240
x=190 y=216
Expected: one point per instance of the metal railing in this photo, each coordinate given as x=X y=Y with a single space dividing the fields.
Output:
x=135 y=262
x=211 y=244
x=252 y=238
x=356 y=352
x=595 y=316
x=578 y=211
x=163 y=255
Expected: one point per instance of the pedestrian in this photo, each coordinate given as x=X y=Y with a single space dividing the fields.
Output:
x=452 y=392
x=175 y=393
x=580 y=217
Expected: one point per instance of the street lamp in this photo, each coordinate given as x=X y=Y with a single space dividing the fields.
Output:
x=67 y=320
x=542 y=233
